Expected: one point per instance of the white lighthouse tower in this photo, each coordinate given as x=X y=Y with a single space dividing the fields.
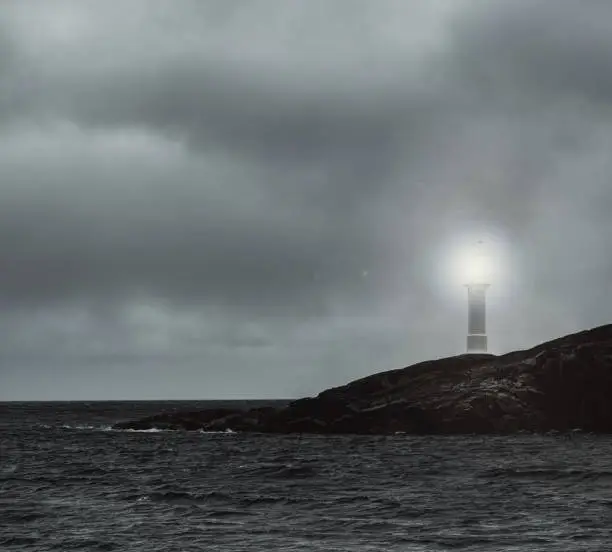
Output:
x=477 y=307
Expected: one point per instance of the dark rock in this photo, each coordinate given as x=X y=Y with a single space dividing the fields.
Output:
x=561 y=385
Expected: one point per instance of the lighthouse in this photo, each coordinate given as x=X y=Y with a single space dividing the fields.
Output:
x=477 y=306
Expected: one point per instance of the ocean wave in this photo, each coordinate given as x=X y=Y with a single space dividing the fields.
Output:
x=9 y=469
x=178 y=496
x=80 y=427
x=151 y=430
x=280 y=470
x=105 y=427
x=261 y=499
x=109 y=427
x=328 y=493
x=161 y=430
x=547 y=473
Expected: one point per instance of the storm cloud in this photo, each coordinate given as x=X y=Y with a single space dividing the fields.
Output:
x=204 y=199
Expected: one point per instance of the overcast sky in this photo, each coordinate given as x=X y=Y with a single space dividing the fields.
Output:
x=259 y=198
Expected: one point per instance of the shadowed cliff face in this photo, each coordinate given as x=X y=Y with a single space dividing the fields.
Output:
x=563 y=385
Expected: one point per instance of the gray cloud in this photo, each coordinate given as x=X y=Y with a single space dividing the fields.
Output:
x=532 y=54
x=271 y=189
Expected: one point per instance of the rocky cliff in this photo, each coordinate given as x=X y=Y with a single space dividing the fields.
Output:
x=563 y=385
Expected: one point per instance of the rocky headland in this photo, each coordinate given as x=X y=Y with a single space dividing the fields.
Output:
x=562 y=385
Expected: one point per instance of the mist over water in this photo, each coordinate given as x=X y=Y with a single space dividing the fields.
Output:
x=69 y=483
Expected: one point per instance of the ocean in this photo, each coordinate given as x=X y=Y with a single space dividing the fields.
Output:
x=68 y=482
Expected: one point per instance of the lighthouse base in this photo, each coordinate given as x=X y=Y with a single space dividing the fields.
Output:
x=476 y=343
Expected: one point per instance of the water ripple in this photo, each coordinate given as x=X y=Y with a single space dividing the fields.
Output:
x=82 y=488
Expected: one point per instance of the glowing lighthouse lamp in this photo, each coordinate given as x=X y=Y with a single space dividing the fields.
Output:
x=477 y=271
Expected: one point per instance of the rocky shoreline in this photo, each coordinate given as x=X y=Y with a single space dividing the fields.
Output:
x=562 y=385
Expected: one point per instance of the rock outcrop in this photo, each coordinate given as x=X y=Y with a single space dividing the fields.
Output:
x=562 y=385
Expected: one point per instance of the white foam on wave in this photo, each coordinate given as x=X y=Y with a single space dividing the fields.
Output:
x=89 y=427
x=152 y=430
x=86 y=427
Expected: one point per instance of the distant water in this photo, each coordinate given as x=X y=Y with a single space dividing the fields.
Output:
x=69 y=483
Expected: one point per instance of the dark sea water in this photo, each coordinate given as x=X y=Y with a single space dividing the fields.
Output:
x=69 y=483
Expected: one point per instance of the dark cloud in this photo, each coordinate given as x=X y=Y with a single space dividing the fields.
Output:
x=536 y=55
x=80 y=233
x=247 y=196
